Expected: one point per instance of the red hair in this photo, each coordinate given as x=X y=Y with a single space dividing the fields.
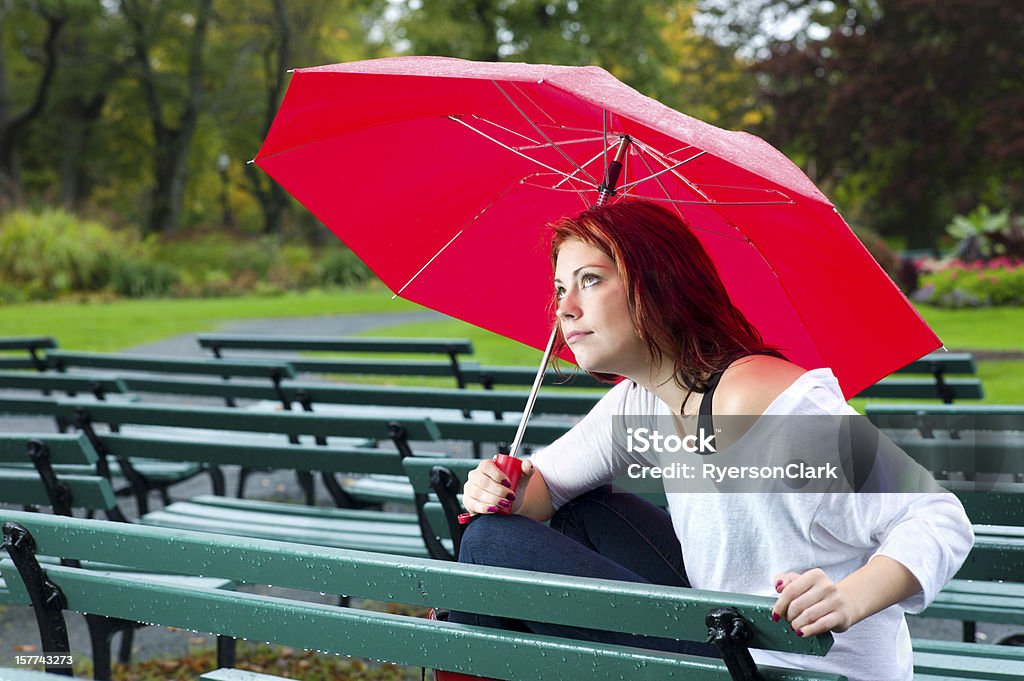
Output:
x=677 y=301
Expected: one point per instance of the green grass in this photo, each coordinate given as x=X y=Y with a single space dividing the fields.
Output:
x=994 y=328
x=115 y=325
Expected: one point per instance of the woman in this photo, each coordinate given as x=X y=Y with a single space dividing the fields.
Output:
x=638 y=299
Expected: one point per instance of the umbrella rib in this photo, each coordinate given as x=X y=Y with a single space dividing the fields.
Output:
x=510 y=130
x=604 y=134
x=668 y=195
x=578 y=140
x=513 y=150
x=591 y=160
x=626 y=187
x=655 y=154
x=530 y=100
x=427 y=264
x=457 y=235
x=537 y=128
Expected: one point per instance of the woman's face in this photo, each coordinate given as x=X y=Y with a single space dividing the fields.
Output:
x=593 y=312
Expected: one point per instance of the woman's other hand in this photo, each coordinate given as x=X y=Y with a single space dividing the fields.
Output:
x=812 y=603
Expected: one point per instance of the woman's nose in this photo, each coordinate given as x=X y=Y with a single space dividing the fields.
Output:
x=568 y=307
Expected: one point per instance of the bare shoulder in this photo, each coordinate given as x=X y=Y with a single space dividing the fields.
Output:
x=750 y=384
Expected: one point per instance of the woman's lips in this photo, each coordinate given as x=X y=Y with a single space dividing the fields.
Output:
x=575 y=335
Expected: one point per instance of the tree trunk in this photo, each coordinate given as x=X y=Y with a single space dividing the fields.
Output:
x=79 y=124
x=12 y=126
x=172 y=143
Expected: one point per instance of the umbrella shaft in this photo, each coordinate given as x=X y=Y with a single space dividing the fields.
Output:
x=514 y=450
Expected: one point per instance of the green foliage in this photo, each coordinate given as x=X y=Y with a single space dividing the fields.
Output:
x=344 y=268
x=52 y=253
x=915 y=101
x=984 y=234
x=958 y=284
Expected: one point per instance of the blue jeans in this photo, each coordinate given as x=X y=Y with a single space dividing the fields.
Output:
x=604 y=534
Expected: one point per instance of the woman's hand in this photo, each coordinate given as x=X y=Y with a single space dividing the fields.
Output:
x=488 y=490
x=812 y=603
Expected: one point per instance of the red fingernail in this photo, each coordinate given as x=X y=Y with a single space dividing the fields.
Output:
x=775 y=617
x=511 y=496
x=799 y=633
x=778 y=586
x=492 y=509
x=505 y=504
x=506 y=483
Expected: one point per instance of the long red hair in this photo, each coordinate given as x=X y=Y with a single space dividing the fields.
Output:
x=677 y=301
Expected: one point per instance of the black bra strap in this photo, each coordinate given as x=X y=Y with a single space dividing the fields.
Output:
x=704 y=420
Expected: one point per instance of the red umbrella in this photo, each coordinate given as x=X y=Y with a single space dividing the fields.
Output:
x=440 y=174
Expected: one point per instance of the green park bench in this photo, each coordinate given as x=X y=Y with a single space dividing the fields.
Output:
x=46 y=383
x=255 y=369
x=270 y=371
x=734 y=621
x=988 y=588
x=35 y=346
x=930 y=420
x=142 y=477
x=938 y=365
x=439 y=404
x=985 y=445
x=452 y=348
x=358 y=528
x=59 y=471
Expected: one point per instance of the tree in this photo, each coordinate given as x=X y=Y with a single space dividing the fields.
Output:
x=911 y=108
x=153 y=26
x=13 y=125
x=650 y=45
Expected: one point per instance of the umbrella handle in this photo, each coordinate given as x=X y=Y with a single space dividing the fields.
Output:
x=509 y=463
x=511 y=467
x=611 y=175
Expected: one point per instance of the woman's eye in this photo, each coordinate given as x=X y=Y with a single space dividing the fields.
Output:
x=559 y=293
x=589 y=279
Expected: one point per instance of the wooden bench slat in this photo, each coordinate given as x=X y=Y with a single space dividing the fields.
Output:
x=214 y=367
x=9 y=343
x=383 y=636
x=947 y=362
x=309 y=457
x=225 y=418
x=924 y=388
x=638 y=608
x=327 y=344
x=23 y=486
x=25 y=380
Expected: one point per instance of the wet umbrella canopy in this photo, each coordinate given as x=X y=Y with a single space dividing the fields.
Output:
x=441 y=174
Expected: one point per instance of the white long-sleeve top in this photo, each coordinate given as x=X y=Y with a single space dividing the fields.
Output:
x=738 y=542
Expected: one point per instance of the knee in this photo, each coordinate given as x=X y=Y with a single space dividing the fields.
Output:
x=488 y=537
x=572 y=510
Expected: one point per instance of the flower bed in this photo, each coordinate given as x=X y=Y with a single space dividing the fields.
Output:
x=954 y=283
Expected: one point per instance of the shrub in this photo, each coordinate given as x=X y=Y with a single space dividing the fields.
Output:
x=53 y=253
x=954 y=283
x=139 y=278
x=344 y=268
